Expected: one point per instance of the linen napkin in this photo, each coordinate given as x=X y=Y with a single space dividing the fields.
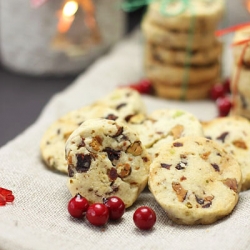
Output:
x=38 y=219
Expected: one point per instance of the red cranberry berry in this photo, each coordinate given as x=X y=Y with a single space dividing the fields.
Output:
x=77 y=206
x=10 y=198
x=115 y=206
x=143 y=86
x=226 y=85
x=2 y=200
x=97 y=214
x=217 y=91
x=144 y=217
x=224 y=105
x=4 y=191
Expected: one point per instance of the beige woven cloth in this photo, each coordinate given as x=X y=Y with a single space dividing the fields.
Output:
x=38 y=219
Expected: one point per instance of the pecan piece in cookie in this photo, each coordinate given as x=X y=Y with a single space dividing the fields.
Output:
x=123 y=170
x=135 y=148
x=231 y=183
x=176 y=131
x=179 y=190
x=96 y=143
x=240 y=144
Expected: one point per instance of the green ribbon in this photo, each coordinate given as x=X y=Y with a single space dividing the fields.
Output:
x=132 y=5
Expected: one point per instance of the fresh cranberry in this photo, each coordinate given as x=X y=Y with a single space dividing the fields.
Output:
x=2 y=200
x=77 y=206
x=115 y=206
x=226 y=85
x=144 y=217
x=224 y=105
x=4 y=191
x=10 y=198
x=97 y=214
x=217 y=91
x=143 y=86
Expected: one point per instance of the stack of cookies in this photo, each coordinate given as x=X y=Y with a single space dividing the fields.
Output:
x=240 y=82
x=182 y=55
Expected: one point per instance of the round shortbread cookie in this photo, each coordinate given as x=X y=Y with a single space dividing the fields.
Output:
x=175 y=74
x=195 y=181
x=190 y=92
x=239 y=54
x=52 y=145
x=176 y=39
x=106 y=158
x=165 y=125
x=206 y=14
x=233 y=132
x=123 y=102
x=181 y=57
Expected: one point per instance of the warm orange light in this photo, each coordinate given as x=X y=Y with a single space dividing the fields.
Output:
x=67 y=16
x=248 y=5
x=70 y=8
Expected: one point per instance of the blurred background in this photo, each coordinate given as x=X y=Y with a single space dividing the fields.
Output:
x=42 y=49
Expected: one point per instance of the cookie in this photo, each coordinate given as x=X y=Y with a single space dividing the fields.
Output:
x=183 y=92
x=124 y=103
x=233 y=133
x=52 y=145
x=241 y=53
x=176 y=39
x=181 y=57
x=195 y=181
x=206 y=14
x=176 y=74
x=106 y=158
x=165 y=125
x=124 y=100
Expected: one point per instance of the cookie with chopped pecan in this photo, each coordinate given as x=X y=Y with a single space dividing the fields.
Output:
x=123 y=102
x=233 y=132
x=165 y=125
x=52 y=145
x=195 y=181
x=106 y=158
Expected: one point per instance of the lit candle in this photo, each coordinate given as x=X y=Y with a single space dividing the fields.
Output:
x=67 y=16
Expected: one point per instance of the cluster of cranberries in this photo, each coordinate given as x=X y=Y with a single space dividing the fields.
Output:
x=6 y=196
x=220 y=94
x=143 y=86
x=112 y=208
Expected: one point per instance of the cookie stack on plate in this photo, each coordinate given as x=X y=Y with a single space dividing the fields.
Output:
x=182 y=54
x=240 y=82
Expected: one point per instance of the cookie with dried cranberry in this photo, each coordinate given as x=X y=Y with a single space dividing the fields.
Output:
x=106 y=158
x=195 y=181
x=233 y=133
x=126 y=101
x=52 y=145
x=165 y=125
x=178 y=15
